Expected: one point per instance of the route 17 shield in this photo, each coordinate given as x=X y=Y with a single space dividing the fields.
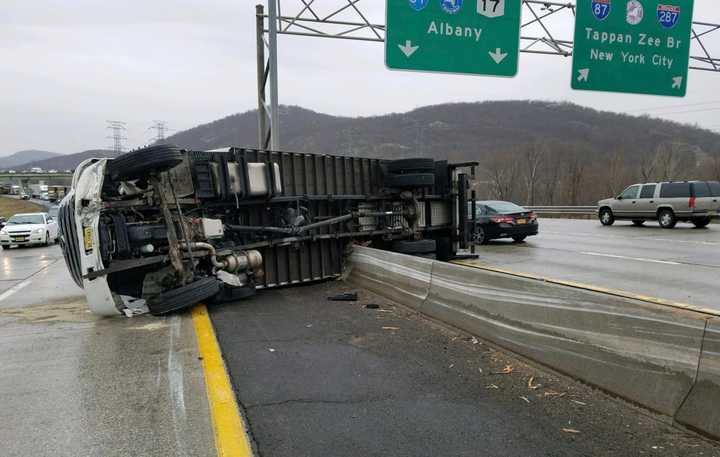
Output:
x=668 y=15
x=601 y=9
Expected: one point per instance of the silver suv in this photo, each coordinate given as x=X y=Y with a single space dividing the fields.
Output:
x=667 y=202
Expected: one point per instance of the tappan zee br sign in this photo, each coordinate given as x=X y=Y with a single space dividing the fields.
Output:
x=632 y=46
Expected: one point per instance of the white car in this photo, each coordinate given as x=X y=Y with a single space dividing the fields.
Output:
x=29 y=228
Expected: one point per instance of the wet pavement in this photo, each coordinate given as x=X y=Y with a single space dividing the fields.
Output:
x=72 y=384
x=322 y=378
x=681 y=265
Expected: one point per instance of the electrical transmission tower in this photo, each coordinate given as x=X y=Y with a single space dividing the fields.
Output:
x=118 y=128
x=161 y=130
x=544 y=31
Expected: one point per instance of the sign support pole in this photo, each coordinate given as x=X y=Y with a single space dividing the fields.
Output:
x=273 y=70
x=261 y=77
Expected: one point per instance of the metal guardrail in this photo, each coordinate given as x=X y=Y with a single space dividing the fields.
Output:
x=579 y=210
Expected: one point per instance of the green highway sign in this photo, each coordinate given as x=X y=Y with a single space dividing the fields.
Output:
x=479 y=37
x=632 y=46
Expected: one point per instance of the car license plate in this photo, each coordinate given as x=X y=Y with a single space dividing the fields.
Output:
x=18 y=238
x=88 y=238
x=521 y=221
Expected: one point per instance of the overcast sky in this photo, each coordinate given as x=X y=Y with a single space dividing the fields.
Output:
x=67 y=66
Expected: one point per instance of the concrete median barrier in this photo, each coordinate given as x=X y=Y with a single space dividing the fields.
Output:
x=401 y=278
x=645 y=353
x=701 y=410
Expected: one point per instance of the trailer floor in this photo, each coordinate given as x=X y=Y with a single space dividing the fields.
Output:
x=322 y=378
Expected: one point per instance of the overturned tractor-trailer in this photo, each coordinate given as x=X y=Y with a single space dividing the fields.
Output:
x=160 y=229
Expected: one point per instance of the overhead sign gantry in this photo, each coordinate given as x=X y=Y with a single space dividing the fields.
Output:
x=543 y=28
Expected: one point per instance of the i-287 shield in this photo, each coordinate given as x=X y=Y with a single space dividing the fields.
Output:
x=668 y=15
x=491 y=8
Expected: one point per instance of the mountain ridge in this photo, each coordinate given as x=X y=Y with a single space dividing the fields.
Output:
x=20 y=158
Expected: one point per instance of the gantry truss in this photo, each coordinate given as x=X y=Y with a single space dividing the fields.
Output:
x=547 y=28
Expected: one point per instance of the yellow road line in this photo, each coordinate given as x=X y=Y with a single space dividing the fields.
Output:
x=231 y=439
x=603 y=290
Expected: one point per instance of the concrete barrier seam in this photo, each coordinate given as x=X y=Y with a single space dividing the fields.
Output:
x=697 y=372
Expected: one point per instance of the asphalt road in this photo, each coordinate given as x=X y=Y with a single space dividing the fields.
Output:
x=322 y=378
x=313 y=377
x=75 y=385
x=681 y=265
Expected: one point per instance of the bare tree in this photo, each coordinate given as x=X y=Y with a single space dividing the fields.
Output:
x=648 y=163
x=710 y=167
x=533 y=157
x=503 y=172
x=575 y=171
x=551 y=176
x=615 y=177
x=668 y=160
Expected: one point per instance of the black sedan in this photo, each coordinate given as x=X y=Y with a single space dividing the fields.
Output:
x=498 y=219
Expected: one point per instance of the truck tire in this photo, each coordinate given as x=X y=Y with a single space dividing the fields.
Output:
x=420 y=165
x=415 y=247
x=137 y=164
x=184 y=297
x=410 y=180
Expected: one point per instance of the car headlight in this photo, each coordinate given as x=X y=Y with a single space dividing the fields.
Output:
x=37 y=231
x=3 y=232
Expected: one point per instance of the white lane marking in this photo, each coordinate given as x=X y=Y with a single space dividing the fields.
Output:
x=633 y=238
x=14 y=289
x=638 y=259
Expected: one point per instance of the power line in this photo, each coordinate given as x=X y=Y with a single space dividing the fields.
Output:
x=117 y=127
x=687 y=105
x=687 y=112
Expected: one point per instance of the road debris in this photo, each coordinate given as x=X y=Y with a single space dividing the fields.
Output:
x=570 y=430
x=552 y=393
x=532 y=386
x=579 y=402
x=391 y=328
x=372 y=306
x=348 y=296
x=525 y=398
x=491 y=386
x=271 y=349
x=507 y=370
